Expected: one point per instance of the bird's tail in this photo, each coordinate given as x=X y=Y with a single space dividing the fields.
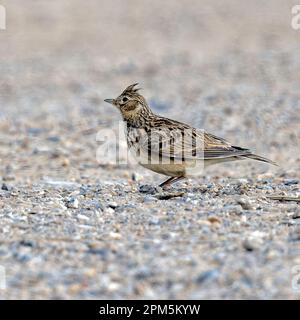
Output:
x=259 y=158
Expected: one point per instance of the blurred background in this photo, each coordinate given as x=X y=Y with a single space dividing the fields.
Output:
x=231 y=67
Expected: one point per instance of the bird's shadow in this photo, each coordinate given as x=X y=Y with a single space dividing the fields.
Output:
x=170 y=192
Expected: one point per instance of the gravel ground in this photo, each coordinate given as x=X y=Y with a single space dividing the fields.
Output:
x=73 y=224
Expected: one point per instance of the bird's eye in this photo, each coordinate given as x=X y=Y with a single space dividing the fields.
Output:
x=125 y=99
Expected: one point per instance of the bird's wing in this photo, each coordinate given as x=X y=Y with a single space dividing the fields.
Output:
x=215 y=147
x=179 y=141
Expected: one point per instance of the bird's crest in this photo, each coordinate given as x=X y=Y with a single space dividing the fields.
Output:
x=131 y=89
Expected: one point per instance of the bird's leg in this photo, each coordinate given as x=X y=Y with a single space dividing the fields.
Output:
x=167 y=182
x=170 y=181
x=177 y=179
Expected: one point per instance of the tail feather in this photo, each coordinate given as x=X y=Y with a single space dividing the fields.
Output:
x=259 y=158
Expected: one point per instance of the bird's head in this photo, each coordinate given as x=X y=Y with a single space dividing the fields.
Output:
x=131 y=104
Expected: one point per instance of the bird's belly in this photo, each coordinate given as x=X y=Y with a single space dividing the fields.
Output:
x=173 y=170
x=186 y=169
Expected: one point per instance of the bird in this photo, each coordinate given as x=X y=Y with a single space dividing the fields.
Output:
x=170 y=147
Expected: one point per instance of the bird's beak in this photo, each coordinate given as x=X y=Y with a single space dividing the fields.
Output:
x=111 y=101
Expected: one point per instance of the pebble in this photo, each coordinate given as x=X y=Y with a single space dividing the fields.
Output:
x=109 y=210
x=245 y=204
x=169 y=195
x=113 y=286
x=99 y=251
x=154 y=221
x=65 y=162
x=250 y=244
x=83 y=217
x=5 y=187
x=208 y=275
x=289 y=182
x=113 y=205
x=115 y=235
x=53 y=138
x=143 y=273
x=296 y=215
x=214 y=220
x=253 y=242
x=72 y=203
x=94 y=204
x=146 y=188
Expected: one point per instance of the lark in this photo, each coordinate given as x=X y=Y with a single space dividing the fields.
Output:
x=170 y=147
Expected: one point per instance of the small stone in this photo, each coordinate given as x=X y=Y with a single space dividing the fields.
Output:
x=5 y=187
x=249 y=245
x=65 y=162
x=272 y=254
x=72 y=203
x=83 y=217
x=243 y=181
x=253 y=242
x=213 y=220
x=234 y=209
x=208 y=275
x=289 y=182
x=143 y=273
x=27 y=243
x=154 y=221
x=203 y=222
x=169 y=195
x=115 y=235
x=296 y=215
x=32 y=212
x=245 y=204
x=109 y=210
x=53 y=138
x=146 y=188
x=94 y=249
x=113 y=205
x=244 y=218
x=91 y=204
x=113 y=286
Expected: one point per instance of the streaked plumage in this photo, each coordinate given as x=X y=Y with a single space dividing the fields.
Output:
x=170 y=147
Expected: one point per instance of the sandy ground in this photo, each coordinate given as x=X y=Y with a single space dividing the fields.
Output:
x=73 y=224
